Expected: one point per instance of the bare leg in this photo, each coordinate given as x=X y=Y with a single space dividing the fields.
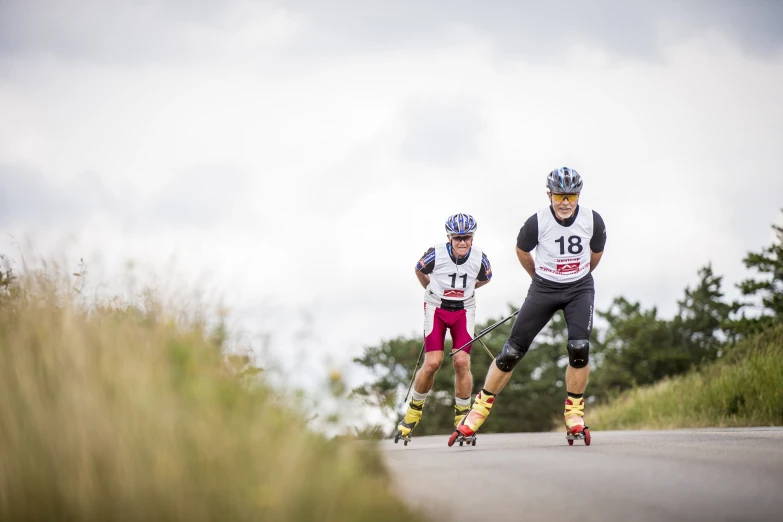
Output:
x=576 y=382
x=426 y=376
x=422 y=385
x=496 y=379
x=576 y=379
x=463 y=379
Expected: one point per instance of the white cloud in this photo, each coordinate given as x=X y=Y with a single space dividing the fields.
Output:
x=302 y=184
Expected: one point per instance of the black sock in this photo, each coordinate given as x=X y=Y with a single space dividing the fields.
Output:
x=485 y=392
x=576 y=395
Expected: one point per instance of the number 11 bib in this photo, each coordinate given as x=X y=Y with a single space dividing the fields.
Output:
x=452 y=281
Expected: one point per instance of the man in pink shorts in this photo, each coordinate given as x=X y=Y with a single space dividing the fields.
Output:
x=450 y=273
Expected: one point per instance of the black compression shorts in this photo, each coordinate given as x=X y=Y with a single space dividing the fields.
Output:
x=544 y=299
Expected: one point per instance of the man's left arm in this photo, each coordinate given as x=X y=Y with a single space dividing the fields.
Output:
x=598 y=241
x=485 y=272
x=595 y=257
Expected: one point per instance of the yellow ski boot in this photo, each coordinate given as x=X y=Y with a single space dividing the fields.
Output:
x=466 y=430
x=459 y=413
x=411 y=419
x=574 y=420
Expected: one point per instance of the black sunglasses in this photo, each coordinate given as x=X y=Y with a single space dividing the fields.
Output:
x=462 y=238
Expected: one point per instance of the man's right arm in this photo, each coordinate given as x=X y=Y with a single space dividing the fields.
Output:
x=528 y=263
x=526 y=242
x=425 y=266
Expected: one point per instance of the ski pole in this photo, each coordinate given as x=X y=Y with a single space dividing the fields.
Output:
x=414 y=372
x=482 y=333
x=492 y=326
x=487 y=349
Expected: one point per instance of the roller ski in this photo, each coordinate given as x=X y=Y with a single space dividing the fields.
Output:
x=574 y=421
x=403 y=433
x=410 y=421
x=470 y=440
x=466 y=428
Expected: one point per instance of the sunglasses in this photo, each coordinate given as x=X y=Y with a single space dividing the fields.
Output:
x=461 y=238
x=562 y=197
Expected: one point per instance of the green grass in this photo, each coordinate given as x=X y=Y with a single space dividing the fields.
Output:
x=122 y=414
x=743 y=389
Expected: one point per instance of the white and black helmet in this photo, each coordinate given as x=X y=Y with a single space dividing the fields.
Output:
x=564 y=181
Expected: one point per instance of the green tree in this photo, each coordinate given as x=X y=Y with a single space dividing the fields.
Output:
x=637 y=348
x=391 y=365
x=702 y=314
x=640 y=348
x=768 y=288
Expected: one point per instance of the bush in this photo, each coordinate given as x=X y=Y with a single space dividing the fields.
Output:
x=743 y=389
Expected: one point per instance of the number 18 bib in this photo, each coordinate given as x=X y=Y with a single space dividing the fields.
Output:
x=563 y=253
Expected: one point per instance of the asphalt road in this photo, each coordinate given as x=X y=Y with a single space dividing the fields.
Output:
x=692 y=475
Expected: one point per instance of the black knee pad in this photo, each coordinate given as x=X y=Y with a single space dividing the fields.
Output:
x=509 y=356
x=578 y=351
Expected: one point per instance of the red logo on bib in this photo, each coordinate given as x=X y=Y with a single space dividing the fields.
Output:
x=568 y=268
x=454 y=293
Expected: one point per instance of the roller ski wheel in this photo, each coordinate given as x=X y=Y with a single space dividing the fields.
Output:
x=399 y=436
x=583 y=434
x=462 y=439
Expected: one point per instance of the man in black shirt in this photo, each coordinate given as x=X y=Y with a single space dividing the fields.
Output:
x=569 y=240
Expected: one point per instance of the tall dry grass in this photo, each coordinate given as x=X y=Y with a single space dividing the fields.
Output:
x=117 y=412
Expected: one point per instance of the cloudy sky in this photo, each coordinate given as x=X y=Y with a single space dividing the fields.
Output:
x=294 y=159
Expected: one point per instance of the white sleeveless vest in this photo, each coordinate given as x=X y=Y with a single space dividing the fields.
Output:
x=563 y=253
x=451 y=281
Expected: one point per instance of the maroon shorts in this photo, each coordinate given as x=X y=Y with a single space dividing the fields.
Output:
x=437 y=320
